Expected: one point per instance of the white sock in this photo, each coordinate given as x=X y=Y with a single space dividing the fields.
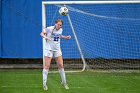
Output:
x=45 y=74
x=62 y=74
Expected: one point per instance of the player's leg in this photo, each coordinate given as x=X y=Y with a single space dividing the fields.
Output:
x=48 y=57
x=59 y=60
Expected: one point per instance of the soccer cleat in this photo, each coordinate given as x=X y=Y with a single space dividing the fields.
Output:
x=45 y=87
x=66 y=86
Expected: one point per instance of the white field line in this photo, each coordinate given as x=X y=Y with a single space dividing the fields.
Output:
x=86 y=87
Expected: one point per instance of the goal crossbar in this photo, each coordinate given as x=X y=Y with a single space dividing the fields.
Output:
x=90 y=2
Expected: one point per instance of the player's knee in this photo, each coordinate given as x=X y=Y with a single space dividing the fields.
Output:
x=47 y=66
x=60 y=66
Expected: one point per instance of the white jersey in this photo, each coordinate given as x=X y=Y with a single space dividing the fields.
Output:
x=54 y=36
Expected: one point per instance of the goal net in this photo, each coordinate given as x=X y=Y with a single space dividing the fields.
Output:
x=105 y=34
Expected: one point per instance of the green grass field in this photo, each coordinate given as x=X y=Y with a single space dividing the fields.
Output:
x=30 y=81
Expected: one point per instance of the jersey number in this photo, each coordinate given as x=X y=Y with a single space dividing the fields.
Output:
x=56 y=39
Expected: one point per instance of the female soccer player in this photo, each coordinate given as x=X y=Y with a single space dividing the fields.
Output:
x=52 y=35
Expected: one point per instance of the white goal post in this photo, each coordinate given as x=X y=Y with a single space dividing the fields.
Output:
x=45 y=3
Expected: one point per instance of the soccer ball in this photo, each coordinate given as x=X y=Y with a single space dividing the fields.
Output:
x=63 y=11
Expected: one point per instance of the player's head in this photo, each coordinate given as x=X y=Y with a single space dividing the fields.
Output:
x=58 y=24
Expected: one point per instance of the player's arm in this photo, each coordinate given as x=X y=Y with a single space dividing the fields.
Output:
x=43 y=34
x=65 y=37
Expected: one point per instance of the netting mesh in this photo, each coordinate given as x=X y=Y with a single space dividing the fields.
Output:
x=108 y=35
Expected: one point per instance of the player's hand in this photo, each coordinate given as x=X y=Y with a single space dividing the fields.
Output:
x=46 y=38
x=68 y=37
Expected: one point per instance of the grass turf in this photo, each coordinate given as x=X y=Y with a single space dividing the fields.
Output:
x=30 y=81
